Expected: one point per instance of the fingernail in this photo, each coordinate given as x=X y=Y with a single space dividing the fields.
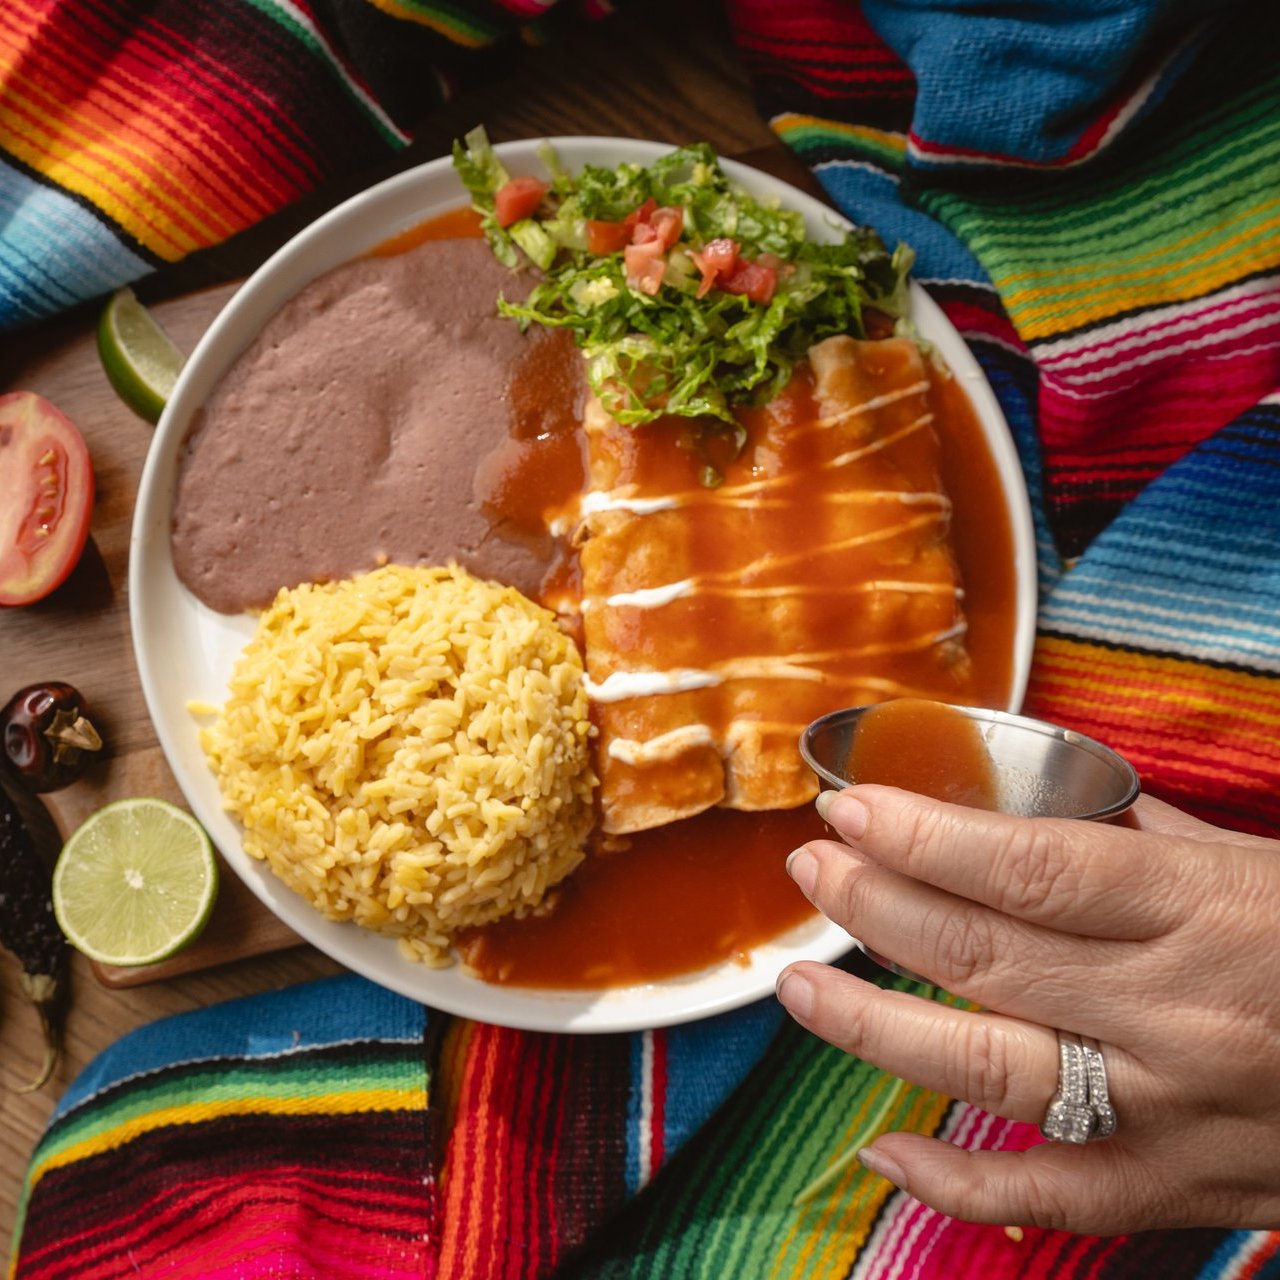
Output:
x=843 y=812
x=796 y=994
x=802 y=867
x=886 y=1166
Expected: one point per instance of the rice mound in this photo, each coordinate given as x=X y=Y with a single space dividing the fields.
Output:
x=408 y=749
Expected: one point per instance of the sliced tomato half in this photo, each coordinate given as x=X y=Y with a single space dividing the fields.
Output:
x=46 y=497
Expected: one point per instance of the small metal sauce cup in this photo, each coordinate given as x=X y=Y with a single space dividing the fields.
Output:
x=1042 y=770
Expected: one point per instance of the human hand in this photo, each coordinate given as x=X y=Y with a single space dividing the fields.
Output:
x=1159 y=940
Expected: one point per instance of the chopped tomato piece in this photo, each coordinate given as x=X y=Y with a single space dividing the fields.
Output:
x=606 y=237
x=641 y=252
x=753 y=279
x=518 y=198
x=46 y=497
x=714 y=259
x=640 y=214
x=667 y=222
x=718 y=255
x=645 y=266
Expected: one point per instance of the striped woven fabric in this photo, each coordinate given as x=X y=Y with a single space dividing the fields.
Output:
x=291 y=1127
x=135 y=132
x=336 y=1130
x=1103 y=229
x=1127 y=311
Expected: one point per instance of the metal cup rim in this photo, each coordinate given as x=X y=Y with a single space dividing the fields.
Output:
x=992 y=715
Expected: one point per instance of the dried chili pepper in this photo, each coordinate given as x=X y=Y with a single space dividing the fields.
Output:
x=47 y=737
x=28 y=928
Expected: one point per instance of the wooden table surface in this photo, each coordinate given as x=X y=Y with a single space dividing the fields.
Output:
x=659 y=84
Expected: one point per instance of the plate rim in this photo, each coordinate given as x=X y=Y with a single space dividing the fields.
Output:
x=618 y=1009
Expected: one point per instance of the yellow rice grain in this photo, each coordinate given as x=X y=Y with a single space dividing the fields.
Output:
x=408 y=749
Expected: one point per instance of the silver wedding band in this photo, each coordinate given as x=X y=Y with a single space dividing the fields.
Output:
x=1081 y=1110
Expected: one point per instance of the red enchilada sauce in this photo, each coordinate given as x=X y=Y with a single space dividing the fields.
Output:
x=668 y=901
x=694 y=893
x=456 y=224
x=925 y=747
x=541 y=466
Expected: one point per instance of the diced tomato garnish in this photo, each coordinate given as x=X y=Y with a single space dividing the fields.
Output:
x=714 y=259
x=518 y=198
x=606 y=237
x=668 y=223
x=719 y=255
x=640 y=213
x=753 y=279
x=645 y=266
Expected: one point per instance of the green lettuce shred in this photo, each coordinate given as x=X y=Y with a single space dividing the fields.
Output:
x=675 y=353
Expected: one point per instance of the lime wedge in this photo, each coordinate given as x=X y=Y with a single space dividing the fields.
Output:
x=135 y=882
x=140 y=360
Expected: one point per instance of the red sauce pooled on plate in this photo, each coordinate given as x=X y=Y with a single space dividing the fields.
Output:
x=456 y=224
x=540 y=468
x=668 y=901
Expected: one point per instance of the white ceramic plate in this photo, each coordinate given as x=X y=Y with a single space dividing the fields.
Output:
x=186 y=651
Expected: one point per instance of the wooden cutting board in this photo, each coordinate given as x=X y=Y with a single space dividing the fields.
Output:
x=239 y=925
x=81 y=632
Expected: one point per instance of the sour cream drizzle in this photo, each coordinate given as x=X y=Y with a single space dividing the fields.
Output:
x=765 y=563
x=686 y=737
x=620 y=685
x=854 y=498
x=657 y=597
x=878 y=402
x=854 y=455
x=646 y=597
x=665 y=746
x=594 y=501
x=741 y=495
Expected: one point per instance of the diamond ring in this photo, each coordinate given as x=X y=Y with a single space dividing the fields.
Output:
x=1081 y=1110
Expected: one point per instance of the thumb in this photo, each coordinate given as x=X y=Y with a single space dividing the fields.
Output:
x=1089 y=1190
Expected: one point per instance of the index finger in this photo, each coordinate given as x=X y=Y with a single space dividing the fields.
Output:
x=1081 y=877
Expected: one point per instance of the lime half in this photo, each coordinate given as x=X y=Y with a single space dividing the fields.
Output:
x=140 y=360
x=135 y=882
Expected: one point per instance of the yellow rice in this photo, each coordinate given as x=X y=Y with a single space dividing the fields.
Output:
x=408 y=749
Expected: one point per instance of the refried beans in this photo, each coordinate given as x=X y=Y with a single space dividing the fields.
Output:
x=353 y=432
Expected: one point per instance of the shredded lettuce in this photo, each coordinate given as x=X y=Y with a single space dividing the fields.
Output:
x=482 y=173
x=532 y=237
x=672 y=352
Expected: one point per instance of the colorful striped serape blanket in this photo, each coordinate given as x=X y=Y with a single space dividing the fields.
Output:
x=1092 y=191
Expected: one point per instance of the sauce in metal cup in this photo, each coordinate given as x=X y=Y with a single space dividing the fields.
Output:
x=971 y=755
